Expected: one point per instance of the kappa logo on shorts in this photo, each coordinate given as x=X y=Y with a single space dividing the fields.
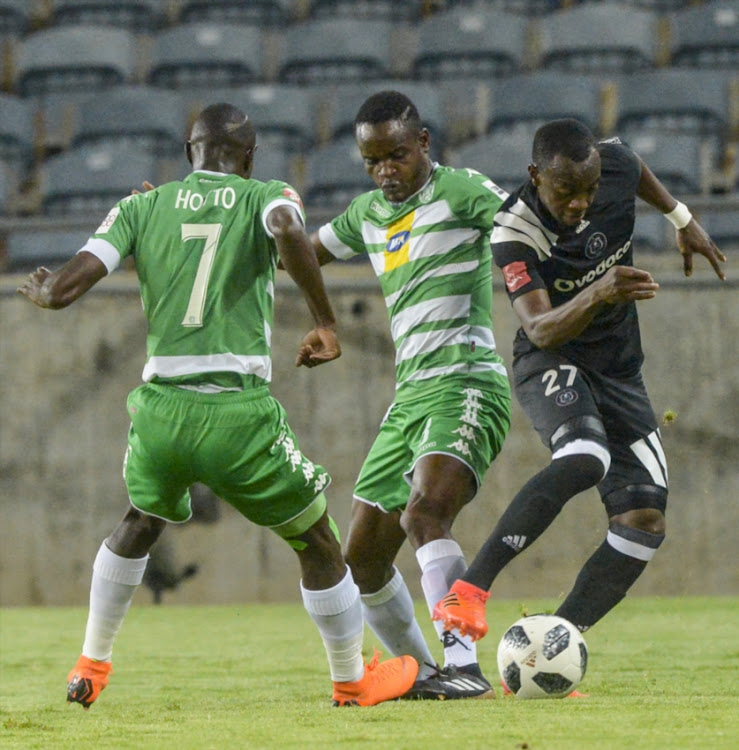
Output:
x=566 y=397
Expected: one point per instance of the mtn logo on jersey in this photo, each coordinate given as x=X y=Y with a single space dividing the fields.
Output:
x=397 y=241
x=516 y=275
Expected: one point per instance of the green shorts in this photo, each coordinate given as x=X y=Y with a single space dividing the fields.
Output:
x=468 y=423
x=237 y=443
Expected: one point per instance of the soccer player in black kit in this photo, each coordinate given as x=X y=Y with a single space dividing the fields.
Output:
x=563 y=242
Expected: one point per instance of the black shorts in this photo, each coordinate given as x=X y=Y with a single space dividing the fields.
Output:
x=552 y=390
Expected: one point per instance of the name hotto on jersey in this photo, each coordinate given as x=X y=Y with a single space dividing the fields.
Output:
x=567 y=285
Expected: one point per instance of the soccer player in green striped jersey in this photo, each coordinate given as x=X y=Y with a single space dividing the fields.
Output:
x=206 y=249
x=426 y=230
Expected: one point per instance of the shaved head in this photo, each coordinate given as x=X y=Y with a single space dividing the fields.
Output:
x=222 y=139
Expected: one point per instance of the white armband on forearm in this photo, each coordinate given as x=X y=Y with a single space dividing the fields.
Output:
x=680 y=216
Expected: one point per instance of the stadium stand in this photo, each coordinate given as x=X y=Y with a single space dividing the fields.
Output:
x=334 y=175
x=722 y=226
x=285 y=115
x=342 y=102
x=26 y=250
x=471 y=42
x=15 y=17
x=140 y=117
x=143 y=16
x=601 y=38
x=652 y=233
x=680 y=161
x=16 y=133
x=707 y=36
x=681 y=100
x=525 y=101
x=74 y=58
x=255 y=12
x=6 y=188
x=335 y=51
x=89 y=180
x=206 y=55
x=386 y=10
x=503 y=158
x=661 y=74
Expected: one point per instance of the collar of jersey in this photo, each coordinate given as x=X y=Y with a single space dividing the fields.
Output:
x=434 y=165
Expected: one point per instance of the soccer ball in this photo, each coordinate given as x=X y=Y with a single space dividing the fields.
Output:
x=542 y=656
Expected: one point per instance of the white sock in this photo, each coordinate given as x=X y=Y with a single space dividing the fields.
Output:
x=338 y=614
x=389 y=612
x=442 y=562
x=114 y=582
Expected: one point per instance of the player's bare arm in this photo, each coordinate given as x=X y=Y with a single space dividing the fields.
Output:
x=323 y=255
x=298 y=259
x=54 y=290
x=548 y=327
x=691 y=238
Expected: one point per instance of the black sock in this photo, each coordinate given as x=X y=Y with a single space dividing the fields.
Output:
x=531 y=512
x=604 y=580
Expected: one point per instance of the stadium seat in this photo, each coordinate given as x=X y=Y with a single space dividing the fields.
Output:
x=28 y=249
x=334 y=51
x=16 y=133
x=89 y=180
x=722 y=225
x=524 y=102
x=677 y=100
x=343 y=103
x=206 y=55
x=6 y=188
x=504 y=159
x=141 y=16
x=662 y=6
x=474 y=42
x=140 y=116
x=334 y=176
x=603 y=37
x=284 y=115
x=466 y=106
x=707 y=36
x=679 y=161
x=366 y=10
x=75 y=58
x=15 y=17
x=255 y=12
x=653 y=233
x=531 y=7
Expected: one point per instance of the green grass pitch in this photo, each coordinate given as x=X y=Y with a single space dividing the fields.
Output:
x=663 y=673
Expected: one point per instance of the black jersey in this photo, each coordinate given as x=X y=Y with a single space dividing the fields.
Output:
x=535 y=252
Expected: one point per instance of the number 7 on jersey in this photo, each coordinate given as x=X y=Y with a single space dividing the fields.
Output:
x=210 y=233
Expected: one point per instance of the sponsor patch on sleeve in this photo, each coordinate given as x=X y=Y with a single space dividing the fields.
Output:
x=108 y=220
x=293 y=196
x=516 y=275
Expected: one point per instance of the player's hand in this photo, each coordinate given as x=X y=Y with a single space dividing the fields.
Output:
x=626 y=284
x=146 y=185
x=694 y=239
x=319 y=345
x=31 y=287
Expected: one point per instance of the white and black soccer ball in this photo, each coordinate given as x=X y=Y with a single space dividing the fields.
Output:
x=542 y=656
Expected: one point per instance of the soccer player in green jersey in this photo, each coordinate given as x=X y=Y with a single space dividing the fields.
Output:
x=426 y=230
x=206 y=249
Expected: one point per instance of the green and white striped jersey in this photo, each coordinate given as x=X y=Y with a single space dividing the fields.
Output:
x=432 y=257
x=206 y=264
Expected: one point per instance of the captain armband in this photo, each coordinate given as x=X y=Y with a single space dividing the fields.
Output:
x=680 y=216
